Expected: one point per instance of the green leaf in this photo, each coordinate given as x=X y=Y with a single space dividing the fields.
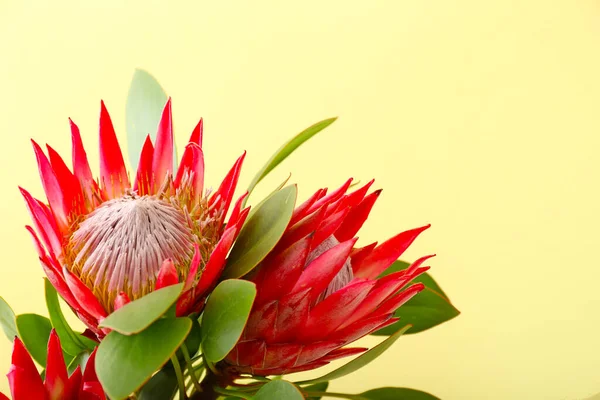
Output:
x=163 y=385
x=427 y=309
x=34 y=330
x=277 y=390
x=287 y=149
x=393 y=393
x=360 y=361
x=80 y=360
x=225 y=316
x=7 y=320
x=261 y=232
x=69 y=340
x=136 y=316
x=145 y=102
x=317 y=387
x=125 y=363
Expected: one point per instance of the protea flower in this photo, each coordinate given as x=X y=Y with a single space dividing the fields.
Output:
x=105 y=242
x=26 y=383
x=317 y=293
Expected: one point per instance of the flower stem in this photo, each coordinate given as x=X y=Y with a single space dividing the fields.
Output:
x=180 y=381
x=190 y=367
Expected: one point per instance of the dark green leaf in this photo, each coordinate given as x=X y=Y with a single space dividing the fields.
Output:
x=360 y=361
x=261 y=232
x=287 y=149
x=317 y=387
x=34 y=330
x=392 y=393
x=163 y=385
x=136 y=316
x=69 y=340
x=225 y=316
x=125 y=363
x=278 y=390
x=427 y=309
x=7 y=320
x=145 y=102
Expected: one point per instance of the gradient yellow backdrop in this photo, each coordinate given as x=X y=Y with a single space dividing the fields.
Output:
x=480 y=117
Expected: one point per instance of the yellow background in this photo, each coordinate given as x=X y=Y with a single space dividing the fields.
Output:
x=481 y=117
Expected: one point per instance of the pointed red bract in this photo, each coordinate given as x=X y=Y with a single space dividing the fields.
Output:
x=143 y=179
x=197 y=133
x=53 y=190
x=167 y=275
x=113 y=175
x=162 y=163
x=57 y=378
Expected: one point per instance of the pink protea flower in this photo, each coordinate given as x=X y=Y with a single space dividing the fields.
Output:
x=316 y=293
x=26 y=384
x=105 y=242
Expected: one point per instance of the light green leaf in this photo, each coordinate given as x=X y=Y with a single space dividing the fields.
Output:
x=278 y=390
x=427 y=309
x=393 y=393
x=145 y=102
x=136 y=316
x=225 y=317
x=69 y=340
x=7 y=320
x=125 y=363
x=360 y=361
x=34 y=330
x=261 y=232
x=287 y=149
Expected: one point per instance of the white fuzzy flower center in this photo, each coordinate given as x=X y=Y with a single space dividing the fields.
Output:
x=121 y=245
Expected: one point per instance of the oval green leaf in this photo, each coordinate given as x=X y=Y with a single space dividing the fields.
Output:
x=125 y=363
x=7 y=320
x=393 y=393
x=427 y=309
x=278 y=389
x=287 y=149
x=34 y=330
x=360 y=361
x=145 y=102
x=69 y=340
x=136 y=316
x=225 y=317
x=261 y=232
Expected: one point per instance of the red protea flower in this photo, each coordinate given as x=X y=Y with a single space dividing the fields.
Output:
x=26 y=384
x=317 y=293
x=102 y=242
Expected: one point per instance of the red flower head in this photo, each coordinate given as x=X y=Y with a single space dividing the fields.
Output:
x=26 y=383
x=317 y=293
x=105 y=242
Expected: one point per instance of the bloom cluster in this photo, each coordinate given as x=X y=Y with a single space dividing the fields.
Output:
x=186 y=291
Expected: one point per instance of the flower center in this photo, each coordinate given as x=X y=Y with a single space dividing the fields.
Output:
x=121 y=245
